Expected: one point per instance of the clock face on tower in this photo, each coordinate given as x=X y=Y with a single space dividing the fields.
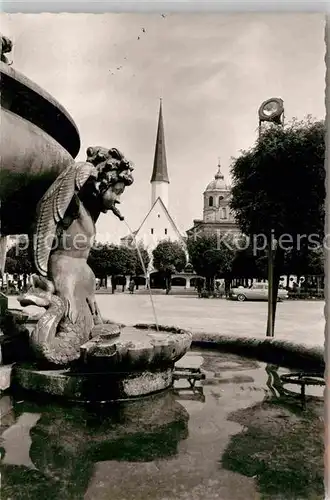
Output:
x=271 y=110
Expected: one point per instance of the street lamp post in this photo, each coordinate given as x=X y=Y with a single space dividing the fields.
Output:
x=272 y=244
x=271 y=111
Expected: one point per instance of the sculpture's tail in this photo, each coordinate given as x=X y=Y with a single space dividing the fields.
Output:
x=55 y=341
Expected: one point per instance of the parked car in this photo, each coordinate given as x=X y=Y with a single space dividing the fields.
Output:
x=258 y=291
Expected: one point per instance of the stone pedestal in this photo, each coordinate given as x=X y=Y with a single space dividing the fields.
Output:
x=112 y=368
x=92 y=387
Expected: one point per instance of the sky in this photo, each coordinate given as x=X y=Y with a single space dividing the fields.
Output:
x=212 y=71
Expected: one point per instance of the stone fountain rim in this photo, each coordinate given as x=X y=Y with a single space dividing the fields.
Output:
x=34 y=87
x=267 y=349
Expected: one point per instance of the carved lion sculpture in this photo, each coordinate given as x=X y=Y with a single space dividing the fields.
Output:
x=64 y=234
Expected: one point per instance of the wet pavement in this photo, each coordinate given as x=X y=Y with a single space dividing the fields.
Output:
x=235 y=435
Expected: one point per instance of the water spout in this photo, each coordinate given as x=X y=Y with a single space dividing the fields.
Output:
x=145 y=274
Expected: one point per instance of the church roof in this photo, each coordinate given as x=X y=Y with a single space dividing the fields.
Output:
x=160 y=201
x=159 y=172
x=218 y=183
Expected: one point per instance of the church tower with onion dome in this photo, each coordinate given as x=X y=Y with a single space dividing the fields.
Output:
x=217 y=214
x=216 y=199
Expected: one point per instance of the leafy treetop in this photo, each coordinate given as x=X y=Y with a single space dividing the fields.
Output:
x=279 y=183
x=211 y=257
x=169 y=257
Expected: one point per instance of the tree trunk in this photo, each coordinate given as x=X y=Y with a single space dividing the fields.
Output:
x=113 y=284
x=210 y=284
x=227 y=286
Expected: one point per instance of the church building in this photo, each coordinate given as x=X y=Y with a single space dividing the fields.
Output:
x=217 y=214
x=157 y=225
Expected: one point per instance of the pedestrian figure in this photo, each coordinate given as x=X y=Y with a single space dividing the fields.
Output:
x=199 y=286
x=227 y=288
x=131 y=286
x=217 y=288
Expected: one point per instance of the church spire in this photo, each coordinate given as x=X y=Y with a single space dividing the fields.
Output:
x=159 y=173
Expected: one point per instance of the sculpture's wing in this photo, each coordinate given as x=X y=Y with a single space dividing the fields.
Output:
x=84 y=171
x=52 y=208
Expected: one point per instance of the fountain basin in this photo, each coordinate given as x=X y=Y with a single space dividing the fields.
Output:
x=134 y=349
x=233 y=435
x=38 y=139
x=135 y=363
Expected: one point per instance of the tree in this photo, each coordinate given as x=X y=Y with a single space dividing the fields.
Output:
x=316 y=262
x=304 y=262
x=126 y=261
x=145 y=258
x=168 y=258
x=246 y=263
x=114 y=260
x=278 y=188
x=98 y=260
x=211 y=257
x=19 y=259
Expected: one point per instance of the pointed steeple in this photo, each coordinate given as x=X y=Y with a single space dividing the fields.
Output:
x=159 y=173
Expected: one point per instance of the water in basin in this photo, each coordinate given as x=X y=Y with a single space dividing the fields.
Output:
x=232 y=436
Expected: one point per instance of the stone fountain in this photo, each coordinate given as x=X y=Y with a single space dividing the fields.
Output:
x=69 y=350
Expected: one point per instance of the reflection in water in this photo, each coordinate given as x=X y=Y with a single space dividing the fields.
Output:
x=274 y=383
x=284 y=389
x=169 y=445
x=281 y=444
x=68 y=441
x=16 y=441
x=195 y=393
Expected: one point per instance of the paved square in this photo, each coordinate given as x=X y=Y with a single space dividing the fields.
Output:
x=296 y=321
